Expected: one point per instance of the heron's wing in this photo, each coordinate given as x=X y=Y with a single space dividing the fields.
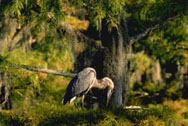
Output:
x=69 y=92
x=79 y=84
x=84 y=81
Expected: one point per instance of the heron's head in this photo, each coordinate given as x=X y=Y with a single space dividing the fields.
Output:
x=110 y=86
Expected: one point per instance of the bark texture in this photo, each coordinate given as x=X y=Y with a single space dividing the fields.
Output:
x=5 y=101
x=117 y=46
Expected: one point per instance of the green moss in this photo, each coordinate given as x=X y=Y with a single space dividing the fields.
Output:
x=44 y=113
x=185 y=115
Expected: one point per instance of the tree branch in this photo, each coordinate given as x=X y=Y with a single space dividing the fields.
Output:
x=151 y=29
x=43 y=70
x=144 y=34
x=135 y=108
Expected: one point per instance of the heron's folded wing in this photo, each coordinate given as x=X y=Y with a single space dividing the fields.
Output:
x=69 y=92
x=85 y=79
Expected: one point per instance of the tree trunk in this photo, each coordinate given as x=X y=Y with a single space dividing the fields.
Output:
x=5 y=102
x=115 y=65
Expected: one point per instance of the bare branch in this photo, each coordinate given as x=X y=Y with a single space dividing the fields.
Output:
x=151 y=29
x=144 y=34
x=43 y=70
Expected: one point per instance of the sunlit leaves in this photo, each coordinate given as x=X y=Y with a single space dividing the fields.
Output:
x=15 y=7
x=99 y=10
x=97 y=14
x=170 y=42
x=141 y=62
x=77 y=23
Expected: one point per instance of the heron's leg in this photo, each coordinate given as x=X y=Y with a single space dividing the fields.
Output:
x=77 y=106
x=76 y=103
x=83 y=101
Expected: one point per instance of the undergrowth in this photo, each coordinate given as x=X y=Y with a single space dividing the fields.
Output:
x=46 y=114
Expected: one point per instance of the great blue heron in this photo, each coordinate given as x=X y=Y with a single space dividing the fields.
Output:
x=80 y=85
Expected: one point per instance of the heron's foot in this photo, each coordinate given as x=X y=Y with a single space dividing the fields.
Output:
x=83 y=106
x=76 y=104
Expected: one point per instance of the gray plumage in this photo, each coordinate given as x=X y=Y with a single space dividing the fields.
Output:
x=83 y=82
x=80 y=84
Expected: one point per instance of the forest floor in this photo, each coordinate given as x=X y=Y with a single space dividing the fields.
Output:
x=170 y=113
x=46 y=109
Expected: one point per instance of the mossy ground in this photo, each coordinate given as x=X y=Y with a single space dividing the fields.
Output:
x=46 y=110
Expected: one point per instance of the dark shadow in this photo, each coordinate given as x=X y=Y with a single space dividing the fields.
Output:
x=97 y=98
x=72 y=119
x=92 y=56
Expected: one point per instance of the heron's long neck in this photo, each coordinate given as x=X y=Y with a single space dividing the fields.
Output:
x=99 y=85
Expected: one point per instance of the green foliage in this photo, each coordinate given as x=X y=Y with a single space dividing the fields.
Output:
x=141 y=63
x=46 y=114
x=144 y=66
x=109 y=120
x=168 y=43
x=111 y=11
x=152 y=121
x=185 y=114
x=152 y=87
x=173 y=42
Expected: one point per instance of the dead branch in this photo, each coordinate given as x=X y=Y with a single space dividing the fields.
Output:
x=135 y=108
x=44 y=70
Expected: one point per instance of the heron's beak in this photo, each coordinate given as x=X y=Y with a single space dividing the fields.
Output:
x=109 y=94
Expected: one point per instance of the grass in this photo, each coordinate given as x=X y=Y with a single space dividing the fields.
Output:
x=59 y=115
x=43 y=108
